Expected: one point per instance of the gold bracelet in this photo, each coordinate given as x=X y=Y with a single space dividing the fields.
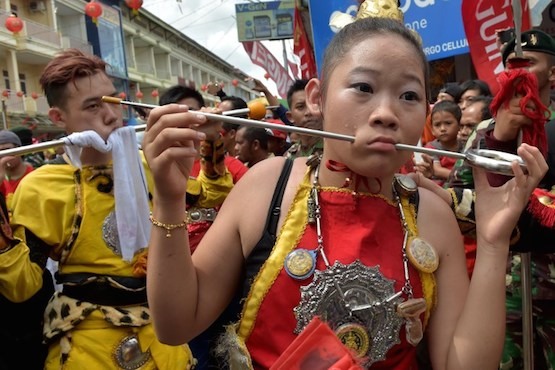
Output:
x=167 y=227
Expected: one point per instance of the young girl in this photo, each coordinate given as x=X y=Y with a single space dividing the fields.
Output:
x=347 y=228
x=446 y=116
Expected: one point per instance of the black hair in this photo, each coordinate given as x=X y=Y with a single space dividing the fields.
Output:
x=479 y=85
x=298 y=85
x=236 y=103
x=448 y=106
x=256 y=133
x=486 y=111
x=360 y=30
x=179 y=92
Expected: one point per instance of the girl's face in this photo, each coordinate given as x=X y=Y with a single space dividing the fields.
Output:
x=376 y=94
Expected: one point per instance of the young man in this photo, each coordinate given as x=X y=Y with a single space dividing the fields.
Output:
x=251 y=145
x=77 y=213
x=301 y=116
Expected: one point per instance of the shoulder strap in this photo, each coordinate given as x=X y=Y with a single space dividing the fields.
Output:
x=275 y=206
x=264 y=247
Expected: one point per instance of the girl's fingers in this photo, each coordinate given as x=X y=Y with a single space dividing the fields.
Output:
x=172 y=137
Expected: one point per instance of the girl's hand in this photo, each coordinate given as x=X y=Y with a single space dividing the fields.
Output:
x=170 y=147
x=498 y=208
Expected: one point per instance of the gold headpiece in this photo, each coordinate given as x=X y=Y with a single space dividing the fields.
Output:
x=369 y=8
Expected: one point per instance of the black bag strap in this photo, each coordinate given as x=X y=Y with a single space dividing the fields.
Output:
x=275 y=206
x=263 y=248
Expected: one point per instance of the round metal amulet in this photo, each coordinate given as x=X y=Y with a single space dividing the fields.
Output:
x=300 y=263
x=355 y=337
x=422 y=255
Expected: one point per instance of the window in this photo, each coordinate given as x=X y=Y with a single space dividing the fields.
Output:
x=23 y=83
x=6 y=79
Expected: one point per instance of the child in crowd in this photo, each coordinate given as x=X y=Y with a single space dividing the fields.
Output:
x=446 y=116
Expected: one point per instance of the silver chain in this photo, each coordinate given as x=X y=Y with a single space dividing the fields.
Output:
x=407 y=287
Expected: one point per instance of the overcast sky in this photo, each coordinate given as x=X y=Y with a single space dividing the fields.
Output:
x=212 y=24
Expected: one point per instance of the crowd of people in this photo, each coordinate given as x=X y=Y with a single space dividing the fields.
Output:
x=215 y=245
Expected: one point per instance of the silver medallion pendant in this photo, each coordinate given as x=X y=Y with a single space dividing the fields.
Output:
x=300 y=263
x=358 y=303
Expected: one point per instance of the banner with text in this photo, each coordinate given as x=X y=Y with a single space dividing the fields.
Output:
x=262 y=57
x=482 y=20
x=303 y=49
x=439 y=23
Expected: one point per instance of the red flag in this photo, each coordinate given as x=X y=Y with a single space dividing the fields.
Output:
x=482 y=19
x=303 y=49
x=294 y=68
x=262 y=57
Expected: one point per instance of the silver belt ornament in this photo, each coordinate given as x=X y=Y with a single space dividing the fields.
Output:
x=128 y=354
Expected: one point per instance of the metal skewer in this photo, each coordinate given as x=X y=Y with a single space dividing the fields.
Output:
x=243 y=121
x=493 y=161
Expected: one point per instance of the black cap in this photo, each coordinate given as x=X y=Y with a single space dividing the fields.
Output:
x=532 y=40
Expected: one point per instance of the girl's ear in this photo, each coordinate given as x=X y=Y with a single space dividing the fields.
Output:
x=314 y=97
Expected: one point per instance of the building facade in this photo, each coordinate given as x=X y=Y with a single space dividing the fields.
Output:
x=145 y=54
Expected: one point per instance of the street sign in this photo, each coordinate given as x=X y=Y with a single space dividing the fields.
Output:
x=270 y=20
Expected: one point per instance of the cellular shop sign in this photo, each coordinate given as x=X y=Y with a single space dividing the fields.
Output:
x=271 y=20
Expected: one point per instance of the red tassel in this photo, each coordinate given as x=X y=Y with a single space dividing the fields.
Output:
x=543 y=213
x=518 y=81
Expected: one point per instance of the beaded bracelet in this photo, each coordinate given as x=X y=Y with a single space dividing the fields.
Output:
x=167 y=227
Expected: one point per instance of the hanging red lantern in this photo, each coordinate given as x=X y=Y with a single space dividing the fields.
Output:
x=266 y=75
x=235 y=82
x=135 y=5
x=34 y=95
x=14 y=24
x=139 y=94
x=19 y=94
x=6 y=93
x=154 y=93
x=122 y=95
x=93 y=10
x=204 y=87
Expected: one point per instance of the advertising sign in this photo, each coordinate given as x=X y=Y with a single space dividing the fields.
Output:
x=107 y=40
x=271 y=20
x=438 y=22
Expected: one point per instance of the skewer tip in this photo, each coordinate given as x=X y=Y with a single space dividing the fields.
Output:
x=111 y=99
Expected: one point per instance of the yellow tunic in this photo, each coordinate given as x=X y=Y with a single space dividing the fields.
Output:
x=66 y=208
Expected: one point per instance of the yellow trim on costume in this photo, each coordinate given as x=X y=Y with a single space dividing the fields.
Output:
x=427 y=280
x=287 y=240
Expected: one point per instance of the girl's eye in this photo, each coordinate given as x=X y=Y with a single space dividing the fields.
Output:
x=363 y=87
x=411 y=95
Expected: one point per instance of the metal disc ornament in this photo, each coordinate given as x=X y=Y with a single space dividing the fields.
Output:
x=422 y=255
x=300 y=263
x=358 y=303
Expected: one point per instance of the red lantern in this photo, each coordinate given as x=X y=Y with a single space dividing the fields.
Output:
x=14 y=24
x=19 y=94
x=122 y=95
x=266 y=75
x=34 y=95
x=6 y=93
x=135 y=5
x=204 y=87
x=154 y=93
x=139 y=95
x=93 y=10
x=235 y=82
